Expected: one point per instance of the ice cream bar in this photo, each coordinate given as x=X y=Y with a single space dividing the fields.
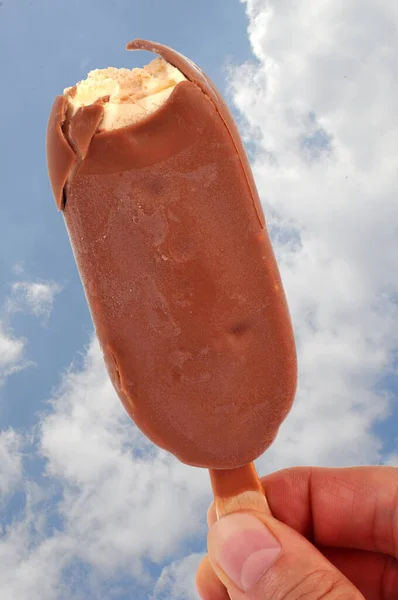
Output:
x=169 y=237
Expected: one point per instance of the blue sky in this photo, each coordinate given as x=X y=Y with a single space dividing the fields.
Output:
x=81 y=517
x=48 y=46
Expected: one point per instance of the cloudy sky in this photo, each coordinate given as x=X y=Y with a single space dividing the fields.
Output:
x=89 y=508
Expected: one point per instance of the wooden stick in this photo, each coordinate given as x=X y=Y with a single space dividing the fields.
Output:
x=238 y=489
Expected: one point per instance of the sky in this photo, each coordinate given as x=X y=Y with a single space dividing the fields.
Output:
x=89 y=507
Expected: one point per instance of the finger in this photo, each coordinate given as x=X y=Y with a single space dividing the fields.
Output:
x=208 y=584
x=353 y=508
x=211 y=515
x=257 y=557
x=375 y=575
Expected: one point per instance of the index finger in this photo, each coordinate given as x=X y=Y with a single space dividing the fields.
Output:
x=353 y=507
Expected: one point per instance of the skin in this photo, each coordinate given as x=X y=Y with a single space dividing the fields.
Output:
x=350 y=515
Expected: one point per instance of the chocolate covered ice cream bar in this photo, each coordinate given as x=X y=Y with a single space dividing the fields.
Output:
x=169 y=236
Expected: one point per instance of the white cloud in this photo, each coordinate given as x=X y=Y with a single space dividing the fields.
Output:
x=177 y=580
x=125 y=497
x=11 y=463
x=11 y=348
x=318 y=109
x=11 y=353
x=36 y=298
x=122 y=502
x=392 y=460
x=28 y=297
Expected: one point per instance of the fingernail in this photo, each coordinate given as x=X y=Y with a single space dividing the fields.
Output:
x=243 y=548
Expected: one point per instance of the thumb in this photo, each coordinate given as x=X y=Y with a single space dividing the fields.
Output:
x=259 y=558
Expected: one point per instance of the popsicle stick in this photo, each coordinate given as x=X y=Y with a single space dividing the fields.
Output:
x=238 y=489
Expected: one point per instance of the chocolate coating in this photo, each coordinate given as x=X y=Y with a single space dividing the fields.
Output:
x=179 y=273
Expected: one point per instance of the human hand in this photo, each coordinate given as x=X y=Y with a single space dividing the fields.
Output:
x=333 y=535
